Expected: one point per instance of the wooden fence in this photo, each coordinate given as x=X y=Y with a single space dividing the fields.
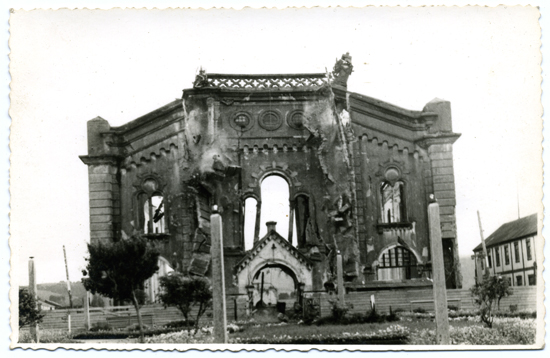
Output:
x=122 y=316
x=524 y=297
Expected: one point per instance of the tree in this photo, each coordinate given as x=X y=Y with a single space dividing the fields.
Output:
x=492 y=289
x=29 y=314
x=119 y=269
x=184 y=292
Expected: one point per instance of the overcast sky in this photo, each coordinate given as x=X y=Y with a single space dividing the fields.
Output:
x=71 y=66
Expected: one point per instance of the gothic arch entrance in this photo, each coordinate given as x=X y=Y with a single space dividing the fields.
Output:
x=274 y=283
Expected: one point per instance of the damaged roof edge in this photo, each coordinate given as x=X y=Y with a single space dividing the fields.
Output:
x=379 y=103
x=167 y=108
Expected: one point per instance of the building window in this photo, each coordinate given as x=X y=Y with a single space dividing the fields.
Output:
x=509 y=281
x=275 y=199
x=506 y=255
x=393 y=202
x=250 y=212
x=532 y=279
x=397 y=263
x=303 y=219
x=519 y=280
x=497 y=256
x=153 y=212
x=516 y=251
x=489 y=261
x=529 y=255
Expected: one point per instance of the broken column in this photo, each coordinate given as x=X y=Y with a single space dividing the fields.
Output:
x=438 y=272
x=218 y=278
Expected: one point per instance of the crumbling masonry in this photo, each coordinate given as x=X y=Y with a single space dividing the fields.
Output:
x=359 y=172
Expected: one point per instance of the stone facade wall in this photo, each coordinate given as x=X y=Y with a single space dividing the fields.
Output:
x=198 y=155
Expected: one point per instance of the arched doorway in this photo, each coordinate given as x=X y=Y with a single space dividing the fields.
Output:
x=275 y=285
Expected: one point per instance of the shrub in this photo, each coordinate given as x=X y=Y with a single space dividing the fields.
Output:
x=184 y=292
x=338 y=310
x=100 y=326
x=513 y=308
x=180 y=324
x=487 y=293
x=419 y=310
x=29 y=314
x=392 y=317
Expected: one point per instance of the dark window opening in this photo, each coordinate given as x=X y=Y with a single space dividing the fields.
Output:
x=497 y=257
x=519 y=280
x=393 y=203
x=397 y=263
x=489 y=262
x=506 y=255
x=516 y=251
x=532 y=280
x=250 y=210
x=303 y=217
x=529 y=255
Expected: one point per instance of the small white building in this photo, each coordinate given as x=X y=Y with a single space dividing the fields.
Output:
x=511 y=252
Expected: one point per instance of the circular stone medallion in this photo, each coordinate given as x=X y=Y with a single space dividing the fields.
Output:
x=295 y=119
x=270 y=120
x=241 y=121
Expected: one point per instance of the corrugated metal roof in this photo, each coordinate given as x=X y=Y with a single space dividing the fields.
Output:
x=512 y=230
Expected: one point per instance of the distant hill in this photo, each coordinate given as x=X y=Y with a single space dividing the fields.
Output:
x=57 y=292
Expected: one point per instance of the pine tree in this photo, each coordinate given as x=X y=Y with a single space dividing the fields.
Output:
x=119 y=269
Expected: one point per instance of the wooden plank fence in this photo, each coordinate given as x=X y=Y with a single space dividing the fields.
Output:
x=123 y=316
x=524 y=297
x=155 y=314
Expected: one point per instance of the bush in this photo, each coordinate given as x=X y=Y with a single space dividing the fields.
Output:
x=180 y=324
x=100 y=326
x=29 y=314
x=487 y=293
x=513 y=308
x=184 y=292
x=338 y=310
x=419 y=310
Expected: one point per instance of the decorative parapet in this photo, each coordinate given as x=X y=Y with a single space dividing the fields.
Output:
x=216 y=80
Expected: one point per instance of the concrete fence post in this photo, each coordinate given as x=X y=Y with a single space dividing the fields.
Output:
x=438 y=272
x=218 y=278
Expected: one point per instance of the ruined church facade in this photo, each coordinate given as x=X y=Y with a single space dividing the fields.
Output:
x=360 y=173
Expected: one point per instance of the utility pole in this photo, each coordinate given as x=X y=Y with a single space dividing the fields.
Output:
x=33 y=293
x=486 y=261
x=68 y=282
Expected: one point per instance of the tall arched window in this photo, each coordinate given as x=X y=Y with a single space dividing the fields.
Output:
x=275 y=204
x=397 y=263
x=150 y=207
x=250 y=209
x=393 y=202
x=153 y=212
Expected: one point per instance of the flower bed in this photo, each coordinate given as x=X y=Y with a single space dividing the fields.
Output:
x=506 y=331
x=392 y=335
x=48 y=336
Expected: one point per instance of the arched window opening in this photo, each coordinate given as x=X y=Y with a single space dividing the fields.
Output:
x=250 y=207
x=393 y=202
x=397 y=263
x=275 y=204
x=153 y=212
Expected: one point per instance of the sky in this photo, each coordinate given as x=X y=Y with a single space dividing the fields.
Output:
x=68 y=67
